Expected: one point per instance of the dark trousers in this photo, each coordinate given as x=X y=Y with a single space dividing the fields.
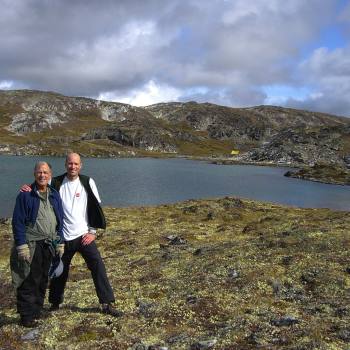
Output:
x=94 y=263
x=31 y=293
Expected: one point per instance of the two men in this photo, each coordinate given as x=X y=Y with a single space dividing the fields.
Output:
x=37 y=228
x=82 y=216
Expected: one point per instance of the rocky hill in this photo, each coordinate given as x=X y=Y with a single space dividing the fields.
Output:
x=35 y=122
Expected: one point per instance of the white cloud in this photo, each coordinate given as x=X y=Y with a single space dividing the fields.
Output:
x=327 y=72
x=149 y=94
x=161 y=50
x=6 y=85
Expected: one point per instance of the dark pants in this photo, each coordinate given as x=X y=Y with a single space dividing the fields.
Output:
x=94 y=263
x=31 y=293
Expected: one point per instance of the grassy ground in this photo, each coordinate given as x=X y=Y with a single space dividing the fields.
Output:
x=220 y=274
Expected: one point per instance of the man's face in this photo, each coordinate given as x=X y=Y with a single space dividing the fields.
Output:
x=73 y=166
x=42 y=175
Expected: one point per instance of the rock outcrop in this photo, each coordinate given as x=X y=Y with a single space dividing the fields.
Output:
x=34 y=122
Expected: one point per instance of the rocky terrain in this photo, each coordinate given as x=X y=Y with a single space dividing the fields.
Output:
x=211 y=274
x=35 y=122
x=323 y=173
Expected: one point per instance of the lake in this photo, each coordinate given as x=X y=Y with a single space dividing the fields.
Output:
x=148 y=181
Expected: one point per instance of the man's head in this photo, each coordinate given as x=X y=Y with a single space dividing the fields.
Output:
x=73 y=165
x=42 y=175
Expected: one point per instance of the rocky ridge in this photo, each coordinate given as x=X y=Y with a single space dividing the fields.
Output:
x=35 y=122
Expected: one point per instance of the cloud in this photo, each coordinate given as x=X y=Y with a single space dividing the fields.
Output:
x=328 y=73
x=219 y=51
x=6 y=85
x=148 y=94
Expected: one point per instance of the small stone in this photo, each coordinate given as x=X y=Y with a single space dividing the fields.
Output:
x=145 y=309
x=344 y=334
x=287 y=260
x=232 y=273
x=178 y=338
x=191 y=299
x=191 y=209
x=198 y=251
x=341 y=311
x=175 y=240
x=210 y=215
x=139 y=346
x=31 y=335
x=204 y=344
x=285 y=321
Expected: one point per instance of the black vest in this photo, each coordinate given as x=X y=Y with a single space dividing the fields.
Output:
x=95 y=214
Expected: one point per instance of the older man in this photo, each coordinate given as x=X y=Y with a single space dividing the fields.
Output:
x=82 y=216
x=37 y=229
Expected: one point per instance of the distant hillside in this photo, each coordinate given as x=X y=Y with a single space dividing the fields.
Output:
x=35 y=122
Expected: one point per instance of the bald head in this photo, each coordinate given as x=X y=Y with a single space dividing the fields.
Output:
x=72 y=155
x=73 y=165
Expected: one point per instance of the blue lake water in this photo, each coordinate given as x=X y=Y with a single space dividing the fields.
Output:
x=148 y=181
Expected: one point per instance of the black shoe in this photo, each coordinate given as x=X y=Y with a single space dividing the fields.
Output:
x=109 y=309
x=54 y=307
x=29 y=323
x=37 y=316
x=41 y=315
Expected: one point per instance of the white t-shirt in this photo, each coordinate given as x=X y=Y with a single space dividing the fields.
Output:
x=74 y=201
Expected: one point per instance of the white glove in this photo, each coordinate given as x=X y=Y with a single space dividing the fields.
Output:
x=23 y=252
x=60 y=249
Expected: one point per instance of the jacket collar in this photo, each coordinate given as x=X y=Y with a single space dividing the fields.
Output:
x=35 y=188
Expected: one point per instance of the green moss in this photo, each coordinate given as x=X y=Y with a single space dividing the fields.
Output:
x=227 y=269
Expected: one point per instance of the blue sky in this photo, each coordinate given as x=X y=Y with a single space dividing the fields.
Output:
x=239 y=53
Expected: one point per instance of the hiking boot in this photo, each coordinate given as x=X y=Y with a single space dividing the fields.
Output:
x=110 y=309
x=29 y=323
x=41 y=315
x=54 y=307
x=37 y=315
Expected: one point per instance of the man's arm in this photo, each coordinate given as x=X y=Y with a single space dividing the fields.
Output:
x=25 y=188
x=91 y=235
x=19 y=220
x=28 y=188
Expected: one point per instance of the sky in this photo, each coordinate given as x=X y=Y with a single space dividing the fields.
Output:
x=238 y=53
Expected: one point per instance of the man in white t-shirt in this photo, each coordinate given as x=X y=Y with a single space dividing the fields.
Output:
x=82 y=216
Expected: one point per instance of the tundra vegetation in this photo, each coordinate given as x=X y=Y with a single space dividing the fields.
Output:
x=209 y=274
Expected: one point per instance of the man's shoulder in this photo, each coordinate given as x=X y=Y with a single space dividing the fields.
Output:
x=57 y=181
x=84 y=177
x=59 y=177
x=24 y=196
x=85 y=180
x=53 y=191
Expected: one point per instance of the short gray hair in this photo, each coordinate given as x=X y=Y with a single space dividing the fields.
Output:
x=40 y=163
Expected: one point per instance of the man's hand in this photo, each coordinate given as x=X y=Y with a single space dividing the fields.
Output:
x=25 y=188
x=88 y=238
x=60 y=249
x=23 y=252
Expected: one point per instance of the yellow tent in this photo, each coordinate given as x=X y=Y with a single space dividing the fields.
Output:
x=234 y=152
